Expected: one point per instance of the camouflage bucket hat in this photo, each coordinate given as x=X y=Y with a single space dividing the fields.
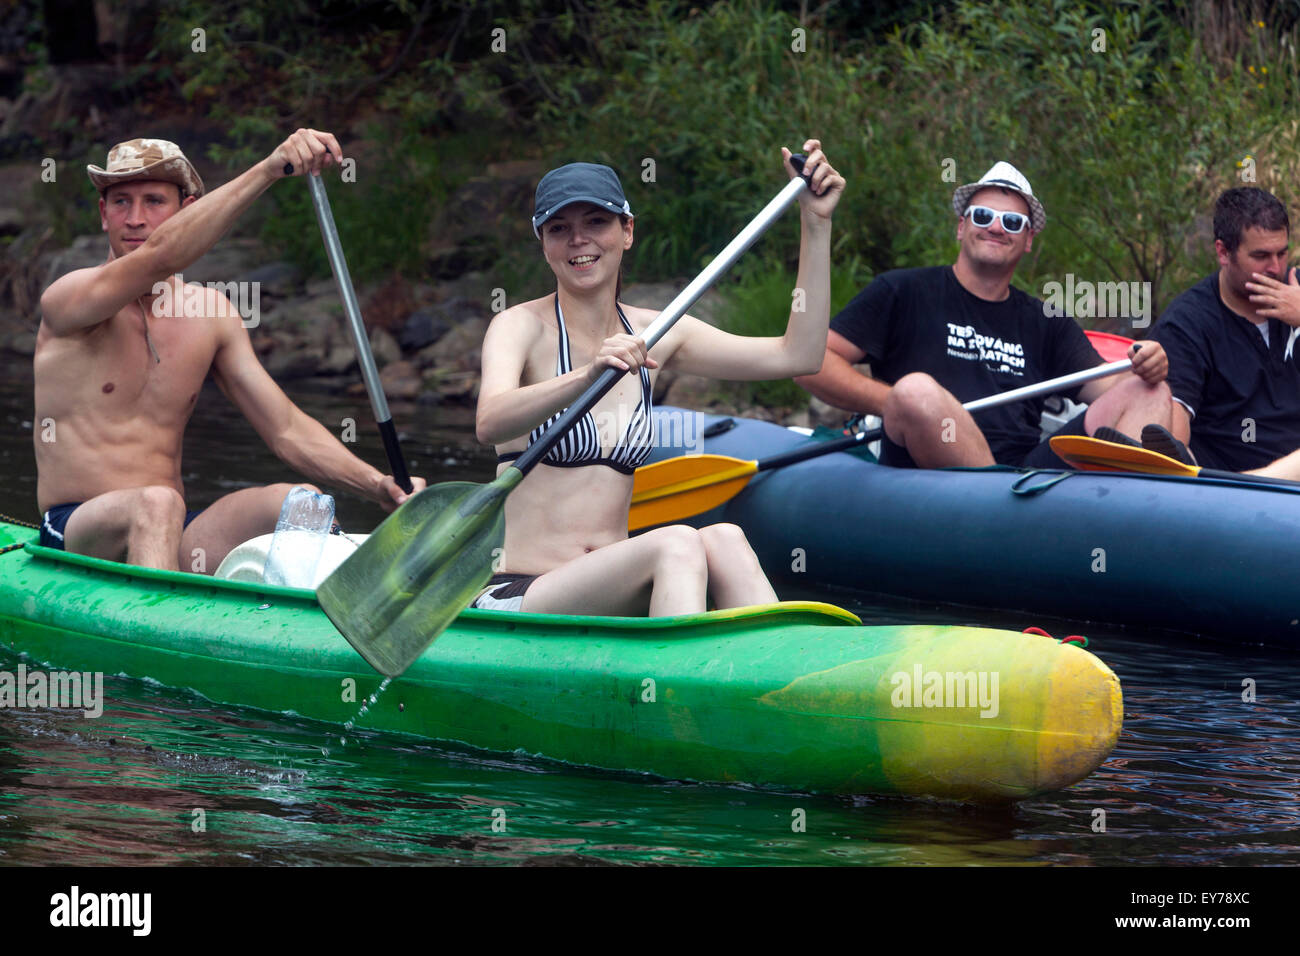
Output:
x=147 y=159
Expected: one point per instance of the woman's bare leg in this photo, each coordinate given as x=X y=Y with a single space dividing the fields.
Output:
x=735 y=577
x=664 y=570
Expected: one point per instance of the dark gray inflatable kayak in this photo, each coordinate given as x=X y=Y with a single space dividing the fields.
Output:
x=1210 y=557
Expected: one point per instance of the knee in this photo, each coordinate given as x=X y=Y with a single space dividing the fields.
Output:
x=274 y=495
x=728 y=549
x=158 y=506
x=1154 y=399
x=1132 y=389
x=912 y=395
x=680 y=547
x=281 y=491
x=724 y=538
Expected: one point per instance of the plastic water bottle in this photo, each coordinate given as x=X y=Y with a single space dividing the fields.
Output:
x=305 y=520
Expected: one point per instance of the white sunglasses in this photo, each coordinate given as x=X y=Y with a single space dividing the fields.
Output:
x=983 y=216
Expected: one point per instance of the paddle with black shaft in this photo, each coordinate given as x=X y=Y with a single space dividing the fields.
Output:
x=429 y=559
x=679 y=488
x=334 y=250
x=1094 y=454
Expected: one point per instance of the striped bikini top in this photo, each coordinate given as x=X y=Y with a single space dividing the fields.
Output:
x=581 y=446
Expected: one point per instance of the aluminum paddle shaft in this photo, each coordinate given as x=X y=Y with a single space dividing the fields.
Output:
x=1049 y=387
x=334 y=250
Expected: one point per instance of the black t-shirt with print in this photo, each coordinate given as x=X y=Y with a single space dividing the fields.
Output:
x=923 y=320
x=1243 y=394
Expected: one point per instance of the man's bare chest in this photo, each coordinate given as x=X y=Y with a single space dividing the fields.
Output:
x=148 y=367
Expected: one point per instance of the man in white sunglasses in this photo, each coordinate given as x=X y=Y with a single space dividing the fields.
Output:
x=939 y=336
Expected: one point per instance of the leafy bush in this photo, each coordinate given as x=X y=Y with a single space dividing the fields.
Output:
x=384 y=215
x=1123 y=123
x=1127 y=145
x=707 y=96
x=758 y=303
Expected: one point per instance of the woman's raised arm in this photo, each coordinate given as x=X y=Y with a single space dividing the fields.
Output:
x=701 y=349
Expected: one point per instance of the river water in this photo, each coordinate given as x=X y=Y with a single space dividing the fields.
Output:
x=1199 y=777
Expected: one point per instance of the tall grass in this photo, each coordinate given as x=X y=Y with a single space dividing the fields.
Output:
x=758 y=303
x=1127 y=116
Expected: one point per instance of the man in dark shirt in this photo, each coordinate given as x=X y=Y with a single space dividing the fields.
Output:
x=937 y=337
x=1234 y=369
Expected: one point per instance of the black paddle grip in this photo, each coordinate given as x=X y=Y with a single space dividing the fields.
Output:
x=1240 y=476
x=396 y=461
x=798 y=160
x=817 y=449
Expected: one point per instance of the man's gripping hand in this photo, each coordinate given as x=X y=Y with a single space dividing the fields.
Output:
x=305 y=151
x=391 y=496
x=1150 y=363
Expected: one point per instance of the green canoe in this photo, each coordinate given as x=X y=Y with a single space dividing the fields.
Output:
x=798 y=696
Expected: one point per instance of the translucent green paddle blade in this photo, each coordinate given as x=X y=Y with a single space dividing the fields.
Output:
x=419 y=569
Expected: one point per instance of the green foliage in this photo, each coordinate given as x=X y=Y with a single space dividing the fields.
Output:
x=385 y=214
x=758 y=303
x=708 y=96
x=66 y=216
x=69 y=205
x=1127 y=145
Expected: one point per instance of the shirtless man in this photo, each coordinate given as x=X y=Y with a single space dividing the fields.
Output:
x=119 y=377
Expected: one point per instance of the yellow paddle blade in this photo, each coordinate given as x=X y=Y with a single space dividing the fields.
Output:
x=678 y=488
x=1093 y=454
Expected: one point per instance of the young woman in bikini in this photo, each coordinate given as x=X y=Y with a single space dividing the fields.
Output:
x=566 y=548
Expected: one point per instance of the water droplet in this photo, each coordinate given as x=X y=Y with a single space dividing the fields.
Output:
x=365 y=708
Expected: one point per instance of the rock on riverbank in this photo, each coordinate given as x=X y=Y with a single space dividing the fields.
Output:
x=426 y=338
